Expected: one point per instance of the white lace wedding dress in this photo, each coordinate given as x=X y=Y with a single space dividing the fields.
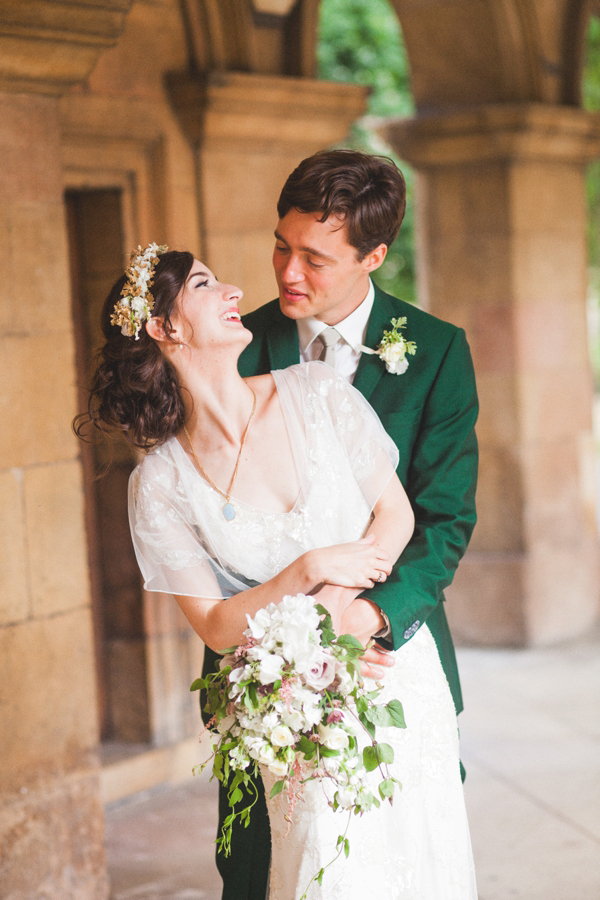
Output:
x=419 y=848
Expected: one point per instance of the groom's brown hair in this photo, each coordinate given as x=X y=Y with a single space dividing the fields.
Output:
x=367 y=192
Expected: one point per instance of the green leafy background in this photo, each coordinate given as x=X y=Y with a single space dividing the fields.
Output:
x=360 y=43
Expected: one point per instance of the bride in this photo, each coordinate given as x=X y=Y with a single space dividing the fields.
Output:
x=261 y=487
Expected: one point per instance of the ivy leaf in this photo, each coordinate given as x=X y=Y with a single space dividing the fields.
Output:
x=197 y=685
x=384 y=752
x=253 y=695
x=394 y=708
x=326 y=624
x=245 y=816
x=277 y=788
x=386 y=788
x=378 y=715
x=235 y=797
x=327 y=637
x=369 y=726
x=353 y=668
x=345 y=844
x=362 y=704
x=309 y=748
x=370 y=760
x=349 y=642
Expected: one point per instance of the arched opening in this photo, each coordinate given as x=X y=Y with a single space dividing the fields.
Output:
x=361 y=43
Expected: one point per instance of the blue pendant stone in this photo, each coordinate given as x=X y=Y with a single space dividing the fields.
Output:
x=229 y=511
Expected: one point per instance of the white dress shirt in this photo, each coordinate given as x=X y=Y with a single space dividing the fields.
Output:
x=353 y=330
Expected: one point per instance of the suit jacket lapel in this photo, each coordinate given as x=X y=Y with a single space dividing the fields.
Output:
x=371 y=368
x=282 y=343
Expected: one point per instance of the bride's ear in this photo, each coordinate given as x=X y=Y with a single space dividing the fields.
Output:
x=155 y=326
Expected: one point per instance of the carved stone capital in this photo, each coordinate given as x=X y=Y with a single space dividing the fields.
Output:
x=497 y=132
x=261 y=110
x=48 y=45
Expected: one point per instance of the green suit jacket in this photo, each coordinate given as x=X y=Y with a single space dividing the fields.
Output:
x=430 y=412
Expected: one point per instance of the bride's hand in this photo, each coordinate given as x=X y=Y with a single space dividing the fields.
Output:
x=357 y=564
x=363 y=619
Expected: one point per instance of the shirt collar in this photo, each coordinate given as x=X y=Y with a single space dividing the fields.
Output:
x=353 y=328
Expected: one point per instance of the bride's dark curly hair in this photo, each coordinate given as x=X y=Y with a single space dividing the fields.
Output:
x=134 y=389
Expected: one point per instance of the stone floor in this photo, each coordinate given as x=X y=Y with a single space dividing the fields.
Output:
x=531 y=745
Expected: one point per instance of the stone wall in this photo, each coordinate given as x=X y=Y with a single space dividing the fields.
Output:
x=50 y=819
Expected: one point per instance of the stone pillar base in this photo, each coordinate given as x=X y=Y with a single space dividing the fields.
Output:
x=51 y=842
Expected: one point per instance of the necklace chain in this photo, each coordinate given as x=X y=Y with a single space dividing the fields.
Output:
x=237 y=462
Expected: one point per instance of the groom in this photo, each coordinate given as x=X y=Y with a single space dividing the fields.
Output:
x=339 y=211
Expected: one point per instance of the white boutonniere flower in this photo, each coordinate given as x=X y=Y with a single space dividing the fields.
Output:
x=394 y=348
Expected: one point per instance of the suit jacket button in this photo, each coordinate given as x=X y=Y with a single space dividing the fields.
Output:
x=412 y=630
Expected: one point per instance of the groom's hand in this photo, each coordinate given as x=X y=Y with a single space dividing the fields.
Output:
x=363 y=619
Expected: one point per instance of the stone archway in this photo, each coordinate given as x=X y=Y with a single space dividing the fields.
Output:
x=468 y=52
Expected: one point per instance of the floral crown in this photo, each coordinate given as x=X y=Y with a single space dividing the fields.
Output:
x=136 y=302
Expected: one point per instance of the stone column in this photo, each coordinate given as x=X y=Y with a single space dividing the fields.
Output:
x=51 y=826
x=502 y=245
x=251 y=132
x=51 y=818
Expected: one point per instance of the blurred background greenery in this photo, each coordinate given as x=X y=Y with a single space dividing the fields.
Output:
x=360 y=42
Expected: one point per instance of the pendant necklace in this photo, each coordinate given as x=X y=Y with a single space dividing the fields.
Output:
x=229 y=508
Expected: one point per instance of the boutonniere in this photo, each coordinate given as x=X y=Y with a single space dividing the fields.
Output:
x=394 y=348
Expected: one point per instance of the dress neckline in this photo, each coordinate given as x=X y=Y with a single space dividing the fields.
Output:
x=243 y=503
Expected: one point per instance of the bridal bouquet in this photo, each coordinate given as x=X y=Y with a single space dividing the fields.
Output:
x=291 y=698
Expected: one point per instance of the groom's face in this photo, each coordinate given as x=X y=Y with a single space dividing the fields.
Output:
x=317 y=270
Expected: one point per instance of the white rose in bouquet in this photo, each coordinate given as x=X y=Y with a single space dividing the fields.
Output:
x=278 y=768
x=266 y=754
x=281 y=736
x=319 y=670
x=334 y=737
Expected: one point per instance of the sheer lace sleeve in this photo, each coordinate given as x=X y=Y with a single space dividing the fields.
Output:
x=323 y=399
x=171 y=545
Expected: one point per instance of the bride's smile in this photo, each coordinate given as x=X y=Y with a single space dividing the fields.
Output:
x=207 y=312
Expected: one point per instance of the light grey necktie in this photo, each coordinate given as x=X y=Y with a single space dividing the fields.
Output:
x=329 y=337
